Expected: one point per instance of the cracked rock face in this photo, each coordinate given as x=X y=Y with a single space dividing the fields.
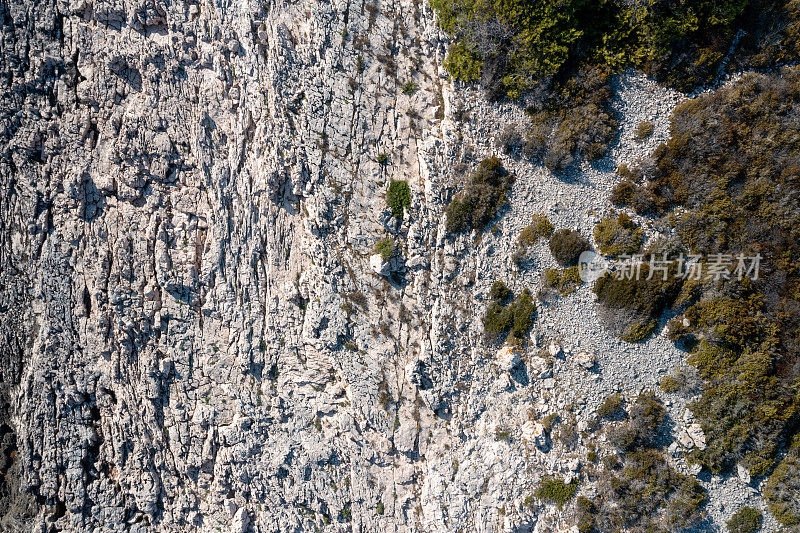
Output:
x=193 y=334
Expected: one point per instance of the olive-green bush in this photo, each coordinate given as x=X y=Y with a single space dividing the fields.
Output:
x=565 y=281
x=745 y=520
x=618 y=235
x=481 y=199
x=554 y=490
x=566 y=246
x=509 y=317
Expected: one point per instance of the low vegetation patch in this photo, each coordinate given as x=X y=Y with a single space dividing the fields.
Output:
x=540 y=228
x=565 y=281
x=574 y=121
x=611 y=406
x=507 y=317
x=566 y=246
x=783 y=487
x=554 y=490
x=745 y=520
x=515 y=46
x=481 y=199
x=670 y=384
x=398 y=197
x=618 y=235
x=638 y=490
x=644 y=130
x=731 y=168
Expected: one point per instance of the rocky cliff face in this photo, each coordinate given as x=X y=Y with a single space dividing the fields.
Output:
x=192 y=333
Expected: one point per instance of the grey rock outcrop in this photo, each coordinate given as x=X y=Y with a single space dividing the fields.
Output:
x=192 y=335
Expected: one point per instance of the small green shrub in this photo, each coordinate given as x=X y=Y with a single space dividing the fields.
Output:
x=380 y=508
x=610 y=406
x=618 y=235
x=745 y=520
x=670 y=384
x=628 y=307
x=566 y=246
x=383 y=158
x=515 y=318
x=644 y=130
x=410 y=87
x=639 y=331
x=565 y=281
x=540 y=228
x=622 y=193
x=398 y=197
x=524 y=311
x=386 y=248
x=553 y=490
x=481 y=199
x=500 y=292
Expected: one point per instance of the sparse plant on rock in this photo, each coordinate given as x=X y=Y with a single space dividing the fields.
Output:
x=386 y=248
x=409 y=87
x=398 y=197
x=644 y=130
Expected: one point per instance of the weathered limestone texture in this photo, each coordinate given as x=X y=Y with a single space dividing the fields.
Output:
x=191 y=334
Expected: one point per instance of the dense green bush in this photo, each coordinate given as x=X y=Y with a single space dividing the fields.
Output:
x=386 y=248
x=745 y=520
x=623 y=192
x=565 y=281
x=398 y=197
x=505 y=316
x=515 y=45
x=553 y=490
x=409 y=87
x=639 y=331
x=540 y=228
x=481 y=199
x=524 y=314
x=610 y=406
x=782 y=489
x=566 y=246
x=618 y=235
